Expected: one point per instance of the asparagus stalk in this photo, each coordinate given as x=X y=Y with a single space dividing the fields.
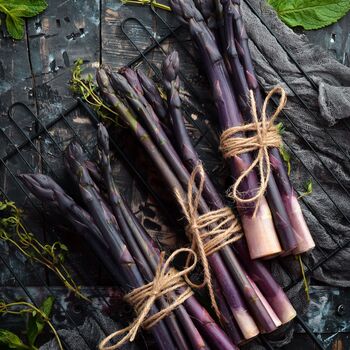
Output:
x=104 y=221
x=259 y=229
x=304 y=238
x=229 y=324
x=270 y=289
x=152 y=95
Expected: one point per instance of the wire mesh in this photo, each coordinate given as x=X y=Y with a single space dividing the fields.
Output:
x=31 y=145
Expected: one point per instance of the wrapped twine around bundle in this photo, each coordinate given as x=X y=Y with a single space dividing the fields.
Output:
x=166 y=280
x=208 y=233
x=265 y=136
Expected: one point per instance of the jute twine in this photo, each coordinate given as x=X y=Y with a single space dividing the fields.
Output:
x=266 y=135
x=142 y=299
x=209 y=232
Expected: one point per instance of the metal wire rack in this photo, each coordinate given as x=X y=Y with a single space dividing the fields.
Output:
x=27 y=141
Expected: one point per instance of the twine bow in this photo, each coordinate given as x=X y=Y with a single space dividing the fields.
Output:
x=266 y=135
x=209 y=232
x=166 y=280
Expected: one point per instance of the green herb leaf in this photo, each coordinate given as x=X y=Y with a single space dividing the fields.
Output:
x=16 y=10
x=9 y=340
x=46 y=306
x=310 y=14
x=308 y=189
x=286 y=157
x=15 y=27
x=36 y=323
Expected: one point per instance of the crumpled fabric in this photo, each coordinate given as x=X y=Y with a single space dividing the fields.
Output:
x=316 y=134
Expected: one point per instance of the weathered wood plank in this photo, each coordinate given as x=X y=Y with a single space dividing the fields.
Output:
x=66 y=31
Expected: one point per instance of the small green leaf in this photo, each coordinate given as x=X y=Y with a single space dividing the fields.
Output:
x=16 y=10
x=36 y=323
x=32 y=330
x=15 y=27
x=310 y=14
x=308 y=189
x=280 y=128
x=46 y=306
x=286 y=157
x=9 y=340
x=63 y=247
x=23 y=8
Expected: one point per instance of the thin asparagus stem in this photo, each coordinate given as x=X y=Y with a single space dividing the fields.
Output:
x=152 y=94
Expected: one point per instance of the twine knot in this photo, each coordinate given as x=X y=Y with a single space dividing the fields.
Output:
x=142 y=299
x=266 y=136
x=208 y=233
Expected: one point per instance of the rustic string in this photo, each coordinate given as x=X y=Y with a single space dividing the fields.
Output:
x=209 y=232
x=233 y=143
x=142 y=299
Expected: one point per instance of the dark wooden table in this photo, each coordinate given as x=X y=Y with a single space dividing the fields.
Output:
x=37 y=71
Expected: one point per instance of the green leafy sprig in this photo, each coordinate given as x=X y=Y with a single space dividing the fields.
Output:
x=37 y=319
x=16 y=11
x=153 y=3
x=305 y=282
x=310 y=14
x=308 y=189
x=86 y=88
x=52 y=256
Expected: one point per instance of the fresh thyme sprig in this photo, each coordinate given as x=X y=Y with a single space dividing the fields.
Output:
x=86 y=88
x=52 y=256
x=153 y=3
x=38 y=317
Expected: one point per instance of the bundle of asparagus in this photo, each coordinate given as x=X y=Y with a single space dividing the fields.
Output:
x=128 y=252
x=218 y=30
x=247 y=297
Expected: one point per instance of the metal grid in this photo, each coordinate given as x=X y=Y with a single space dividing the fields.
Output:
x=31 y=142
